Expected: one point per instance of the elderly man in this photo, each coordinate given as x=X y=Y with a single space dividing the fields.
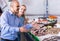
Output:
x=10 y=22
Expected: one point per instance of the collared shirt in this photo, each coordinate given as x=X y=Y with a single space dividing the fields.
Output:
x=21 y=21
x=9 y=25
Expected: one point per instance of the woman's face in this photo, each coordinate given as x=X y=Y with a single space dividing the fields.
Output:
x=21 y=11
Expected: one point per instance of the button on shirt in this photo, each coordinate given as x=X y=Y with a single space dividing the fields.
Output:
x=9 y=25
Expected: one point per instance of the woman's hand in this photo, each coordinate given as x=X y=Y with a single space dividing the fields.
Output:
x=23 y=29
x=35 y=25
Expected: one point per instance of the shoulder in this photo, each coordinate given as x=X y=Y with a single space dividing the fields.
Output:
x=5 y=13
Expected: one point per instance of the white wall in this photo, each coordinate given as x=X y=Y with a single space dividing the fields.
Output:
x=35 y=7
x=54 y=7
x=38 y=6
x=7 y=7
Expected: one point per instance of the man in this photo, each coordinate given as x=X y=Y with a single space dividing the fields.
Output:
x=10 y=22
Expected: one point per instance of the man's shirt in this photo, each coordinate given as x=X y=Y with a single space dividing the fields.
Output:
x=9 y=25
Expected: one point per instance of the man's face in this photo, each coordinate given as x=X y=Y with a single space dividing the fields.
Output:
x=16 y=7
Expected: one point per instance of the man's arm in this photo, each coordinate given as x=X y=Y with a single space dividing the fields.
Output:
x=5 y=25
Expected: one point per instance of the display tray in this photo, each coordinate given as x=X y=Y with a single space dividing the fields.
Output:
x=50 y=37
x=51 y=33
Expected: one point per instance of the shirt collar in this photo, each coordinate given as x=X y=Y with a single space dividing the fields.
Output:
x=11 y=13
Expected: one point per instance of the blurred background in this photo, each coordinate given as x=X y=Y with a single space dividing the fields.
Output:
x=36 y=7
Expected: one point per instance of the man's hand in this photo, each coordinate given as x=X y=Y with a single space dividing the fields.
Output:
x=23 y=29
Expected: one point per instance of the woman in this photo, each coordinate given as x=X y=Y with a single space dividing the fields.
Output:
x=21 y=15
x=24 y=21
